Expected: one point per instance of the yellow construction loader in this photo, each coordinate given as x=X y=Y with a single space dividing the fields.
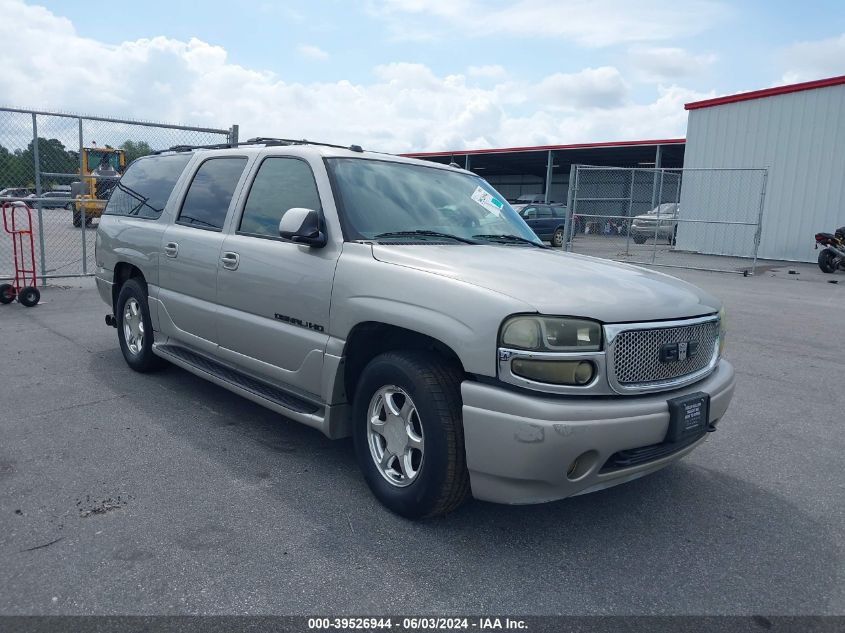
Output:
x=101 y=169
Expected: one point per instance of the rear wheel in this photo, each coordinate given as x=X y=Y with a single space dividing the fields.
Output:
x=7 y=293
x=134 y=328
x=557 y=238
x=827 y=261
x=639 y=239
x=408 y=433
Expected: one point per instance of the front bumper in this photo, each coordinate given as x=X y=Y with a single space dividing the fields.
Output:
x=519 y=446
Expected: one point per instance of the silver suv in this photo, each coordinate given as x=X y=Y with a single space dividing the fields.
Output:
x=406 y=304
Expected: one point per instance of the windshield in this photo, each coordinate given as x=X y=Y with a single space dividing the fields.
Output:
x=667 y=208
x=379 y=197
x=95 y=157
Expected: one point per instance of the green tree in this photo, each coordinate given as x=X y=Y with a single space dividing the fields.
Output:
x=135 y=149
x=17 y=169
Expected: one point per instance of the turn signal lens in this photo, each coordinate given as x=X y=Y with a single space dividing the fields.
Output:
x=556 y=372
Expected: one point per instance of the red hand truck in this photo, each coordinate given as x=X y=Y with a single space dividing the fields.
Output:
x=25 y=287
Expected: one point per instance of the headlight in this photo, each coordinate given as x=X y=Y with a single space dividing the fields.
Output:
x=722 y=331
x=551 y=334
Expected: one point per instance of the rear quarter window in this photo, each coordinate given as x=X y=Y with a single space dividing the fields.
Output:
x=145 y=187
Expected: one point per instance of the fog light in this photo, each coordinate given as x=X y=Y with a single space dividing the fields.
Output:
x=556 y=372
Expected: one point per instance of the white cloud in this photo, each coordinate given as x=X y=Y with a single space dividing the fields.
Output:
x=591 y=88
x=667 y=63
x=489 y=71
x=805 y=61
x=587 y=22
x=312 y=52
x=404 y=107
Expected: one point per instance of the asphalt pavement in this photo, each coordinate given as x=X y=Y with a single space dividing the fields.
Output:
x=123 y=493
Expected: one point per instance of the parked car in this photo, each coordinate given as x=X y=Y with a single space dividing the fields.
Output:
x=548 y=221
x=407 y=305
x=661 y=223
x=15 y=192
x=56 y=200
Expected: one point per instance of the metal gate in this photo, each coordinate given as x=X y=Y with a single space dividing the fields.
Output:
x=41 y=157
x=706 y=219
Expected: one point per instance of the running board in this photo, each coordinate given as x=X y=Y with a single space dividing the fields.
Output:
x=260 y=392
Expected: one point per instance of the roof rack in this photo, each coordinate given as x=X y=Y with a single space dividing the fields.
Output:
x=258 y=140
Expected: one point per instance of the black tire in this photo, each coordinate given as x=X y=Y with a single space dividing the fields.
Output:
x=7 y=293
x=77 y=219
x=826 y=261
x=143 y=360
x=442 y=482
x=29 y=296
x=639 y=239
x=558 y=237
x=674 y=236
x=89 y=220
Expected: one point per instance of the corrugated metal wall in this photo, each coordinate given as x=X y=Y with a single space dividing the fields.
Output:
x=800 y=137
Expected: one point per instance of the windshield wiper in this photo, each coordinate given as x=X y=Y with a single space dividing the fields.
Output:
x=504 y=237
x=424 y=233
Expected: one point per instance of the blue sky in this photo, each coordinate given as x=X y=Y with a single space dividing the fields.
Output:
x=405 y=75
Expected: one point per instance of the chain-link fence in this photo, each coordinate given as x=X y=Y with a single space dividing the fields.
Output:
x=61 y=168
x=706 y=219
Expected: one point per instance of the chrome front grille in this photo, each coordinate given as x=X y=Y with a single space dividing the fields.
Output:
x=636 y=353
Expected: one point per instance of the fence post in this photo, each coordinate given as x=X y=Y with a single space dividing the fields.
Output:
x=83 y=219
x=758 y=234
x=233 y=134
x=37 y=164
x=572 y=199
x=630 y=206
x=657 y=222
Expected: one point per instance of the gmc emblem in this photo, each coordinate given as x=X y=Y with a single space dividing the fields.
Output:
x=675 y=352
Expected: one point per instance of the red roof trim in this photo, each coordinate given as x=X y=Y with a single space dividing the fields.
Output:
x=767 y=92
x=542 y=148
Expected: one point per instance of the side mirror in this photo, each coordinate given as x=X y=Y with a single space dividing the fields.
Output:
x=302 y=226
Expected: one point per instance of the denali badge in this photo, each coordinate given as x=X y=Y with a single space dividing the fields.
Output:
x=674 y=352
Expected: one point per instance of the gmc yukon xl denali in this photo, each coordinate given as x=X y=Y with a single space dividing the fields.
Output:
x=408 y=305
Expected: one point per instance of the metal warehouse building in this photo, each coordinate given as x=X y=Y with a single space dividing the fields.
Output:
x=798 y=133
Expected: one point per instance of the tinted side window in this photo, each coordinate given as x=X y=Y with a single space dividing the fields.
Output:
x=544 y=212
x=559 y=212
x=530 y=213
x=145 y=187
x=281 y=184
x=210 y=193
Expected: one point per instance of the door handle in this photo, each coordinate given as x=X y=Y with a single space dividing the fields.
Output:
x=171 y=249
x=230 y=260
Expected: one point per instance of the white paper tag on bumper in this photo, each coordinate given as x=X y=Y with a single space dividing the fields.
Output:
x=488 y=201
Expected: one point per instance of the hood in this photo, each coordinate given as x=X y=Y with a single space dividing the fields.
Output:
x=559 y=283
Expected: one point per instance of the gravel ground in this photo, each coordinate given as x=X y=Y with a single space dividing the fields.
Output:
x=123 y=493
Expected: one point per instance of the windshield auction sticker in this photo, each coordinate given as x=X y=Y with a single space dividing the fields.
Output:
x=488 y=201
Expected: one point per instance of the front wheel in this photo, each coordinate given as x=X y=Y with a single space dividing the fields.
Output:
x=639 y=239
x=134 y=328
x=408 y=433
x=827 y=261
